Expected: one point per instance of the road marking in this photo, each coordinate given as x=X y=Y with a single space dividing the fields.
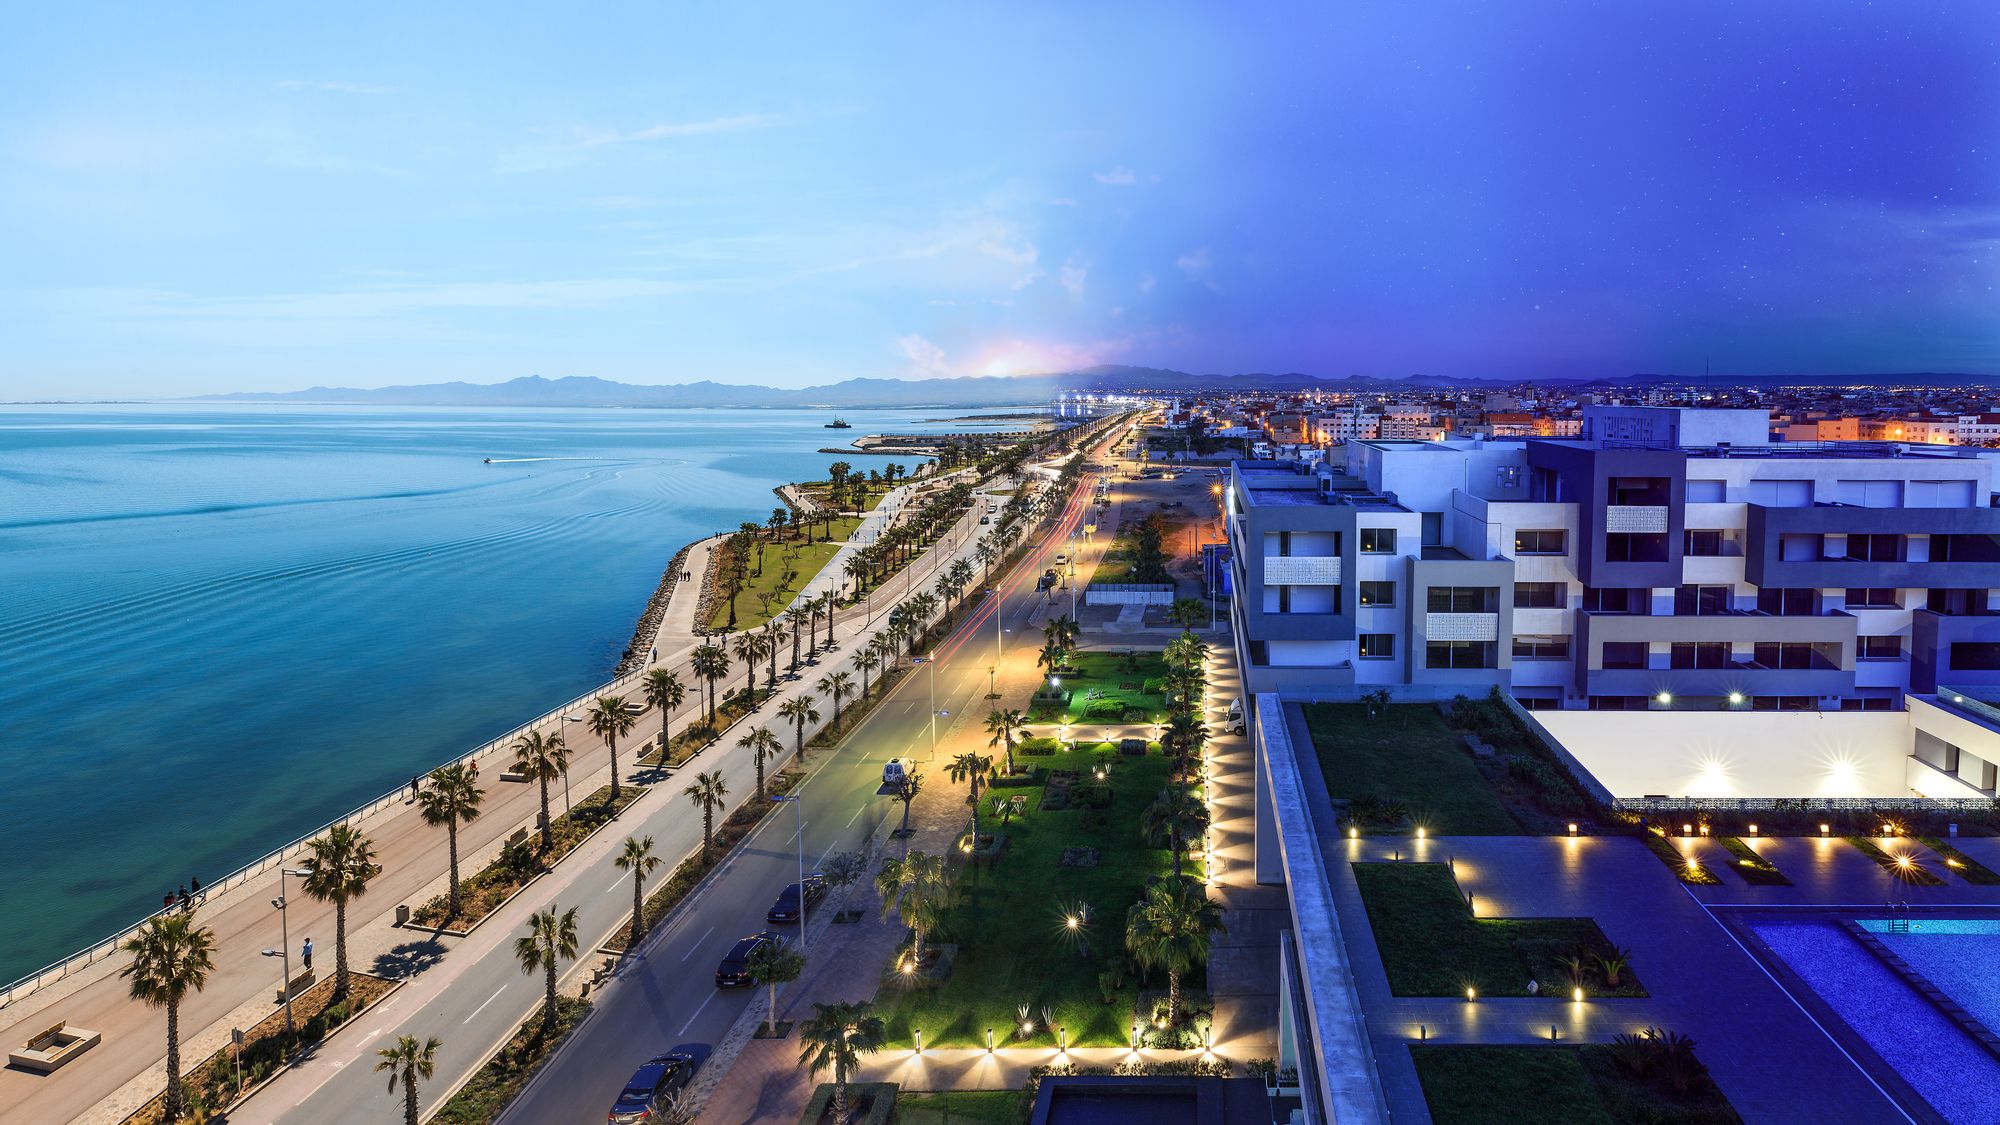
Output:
x=482 y=1007
x=697 y=943
x=855 y=817
x=614 y=886
x=697 y=1013
x=827 y=852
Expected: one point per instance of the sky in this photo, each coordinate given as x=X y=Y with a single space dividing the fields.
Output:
x=199 y=198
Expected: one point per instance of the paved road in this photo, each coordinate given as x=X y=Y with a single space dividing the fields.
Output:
x=475 y=997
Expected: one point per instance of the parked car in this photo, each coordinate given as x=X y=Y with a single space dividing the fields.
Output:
x=1062 y=560
x=734 y=971
x=796 y=898
x=894 y=771
x=649 y=1093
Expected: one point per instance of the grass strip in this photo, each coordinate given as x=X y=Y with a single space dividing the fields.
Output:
x=211 y=1085
x=495 y=1084
x=1687 y=871
x=689 y=873
x=482 y=893
x=1968 y=868
x=1577 y=1085
x=1904 y=867
x=1406 y=758
x=1752 y=866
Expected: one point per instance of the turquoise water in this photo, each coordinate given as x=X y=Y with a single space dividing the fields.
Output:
x=221 y=626
x=1958 y=959
x=1961 y=926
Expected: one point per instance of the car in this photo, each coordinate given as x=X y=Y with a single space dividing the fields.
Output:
x=1062 y=560
x=734 y=971
x=650 y=1092
x=789 y=907
x=894 y=771
x=984 y=520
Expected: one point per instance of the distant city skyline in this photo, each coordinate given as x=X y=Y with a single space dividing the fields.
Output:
x=797 y=195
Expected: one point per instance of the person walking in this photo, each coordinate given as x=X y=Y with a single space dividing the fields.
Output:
x=186 y=902
x=306 y=955
x=194 y=887
x=414 y=782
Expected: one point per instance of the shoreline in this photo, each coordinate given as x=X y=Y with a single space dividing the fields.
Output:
x=656 y=608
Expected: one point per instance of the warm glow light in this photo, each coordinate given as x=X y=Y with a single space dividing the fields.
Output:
x=1572 y=827
x=1665 y=697
x=1420 y=832
x=1687 y=829
x=1071 y=922
x=1469 y=994
x=1824 y=829
x=1735 y=697
x=1576 y=994
x=1354 y=833
x=1753 y=830
x=1902 y=861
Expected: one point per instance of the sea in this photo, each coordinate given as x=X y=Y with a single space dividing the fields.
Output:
x=222 y=626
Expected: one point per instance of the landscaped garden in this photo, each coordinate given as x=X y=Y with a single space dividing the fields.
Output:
x=1017 y=961
x=482 y=892
x=1651 y=1077
x=1432 y=945
x=1108 y=687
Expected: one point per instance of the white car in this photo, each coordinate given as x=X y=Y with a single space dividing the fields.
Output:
x=1062 y=560
x=895 y=771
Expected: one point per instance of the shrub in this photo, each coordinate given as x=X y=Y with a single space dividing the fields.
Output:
x=1036 y=747
x=1105 y=709
x=1092 y=795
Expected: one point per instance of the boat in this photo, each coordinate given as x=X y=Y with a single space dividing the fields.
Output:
x=489 y=460
x=838 y=424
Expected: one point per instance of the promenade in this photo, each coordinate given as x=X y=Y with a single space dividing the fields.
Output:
x=127 y=1067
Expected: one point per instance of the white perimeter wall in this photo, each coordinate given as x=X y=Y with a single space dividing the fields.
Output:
x=1740 y=753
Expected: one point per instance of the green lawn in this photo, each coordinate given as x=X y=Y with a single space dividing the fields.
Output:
x=1523 y=1085
x=789 y=567
x=1407 y=755
x=1007 y=921
x=1106 y=676
x=962 y=1107
x=1431 y=945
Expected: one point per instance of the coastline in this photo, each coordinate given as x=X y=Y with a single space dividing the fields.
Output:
x=649 y=618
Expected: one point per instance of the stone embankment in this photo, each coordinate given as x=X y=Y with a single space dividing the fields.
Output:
x=641 y=643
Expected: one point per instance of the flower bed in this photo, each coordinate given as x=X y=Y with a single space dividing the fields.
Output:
x=1693 y=874
x=1904 y=867
x=482 y=893
x=1968 y=868
x=1754 y=868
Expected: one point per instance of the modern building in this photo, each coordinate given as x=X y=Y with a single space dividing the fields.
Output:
x=1670 y=558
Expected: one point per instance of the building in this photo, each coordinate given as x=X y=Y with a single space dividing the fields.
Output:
x=1669 y=559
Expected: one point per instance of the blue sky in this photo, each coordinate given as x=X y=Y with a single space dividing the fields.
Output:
x=198 y=198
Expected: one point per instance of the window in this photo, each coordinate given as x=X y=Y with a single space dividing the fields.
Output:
x=1879 y=648
x=1702 y=601
x=1544 y=542
x=1617 y=599
x=1797 y=655
x=1459 y=654
x=1378 y=540
x=1619 y=702
x=1975 y=656
x=1624 y=654
x=1870 y=703
x=1706 y=491
x=1869 y=493
x=1781 y=493
x=1958 y=603
x=1872 y=598
x=1541 y=595
x=1463 y=599
x=1699 y=654
x=1965 y=548
x=1378 y=646
x=1528 y=647
x=1704 y=544
x=1622 y=546
x=1378 y=593
x=1784 y=703
x=1508 y=476
x=1875 y=548
x=1939 y=494
x=1781 y=602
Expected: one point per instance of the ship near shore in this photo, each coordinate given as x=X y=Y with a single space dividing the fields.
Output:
x=839 y=424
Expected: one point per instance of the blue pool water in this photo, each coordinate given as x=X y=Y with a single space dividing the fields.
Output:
x=1951 y=1071
x=1955 y=926
x=221 y=626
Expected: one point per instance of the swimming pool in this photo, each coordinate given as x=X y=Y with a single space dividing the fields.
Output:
x=1957 y=926
x=1959 y=1079
x=1957 y=955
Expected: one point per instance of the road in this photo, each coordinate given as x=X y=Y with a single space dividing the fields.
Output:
x=665 y=994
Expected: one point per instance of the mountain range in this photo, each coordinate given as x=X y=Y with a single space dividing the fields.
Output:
x=1011 y=390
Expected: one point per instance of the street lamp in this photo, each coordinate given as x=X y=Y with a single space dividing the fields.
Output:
x=566 y=721
x=798 y=818
x=284 y=951
x=932 y=661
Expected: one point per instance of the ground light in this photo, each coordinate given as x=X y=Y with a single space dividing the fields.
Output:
x=1470 y=995
x=1576 y=994
x=1354 y=833
x=1420 y=832
x=989 y=1040
x=918 y=1033
x=1062 y=1041
x=1735 y=698
x=1687 y=829
x=1572 y=827
x=1824 y=829
x=1753 y=831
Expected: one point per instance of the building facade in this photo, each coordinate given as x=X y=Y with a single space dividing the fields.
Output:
x=1669 y=558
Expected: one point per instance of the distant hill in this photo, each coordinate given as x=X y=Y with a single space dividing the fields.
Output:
x=1014 y=390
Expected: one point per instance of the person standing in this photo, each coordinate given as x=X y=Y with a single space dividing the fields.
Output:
x=194 y=887
x=415 y=779
x=306 y=955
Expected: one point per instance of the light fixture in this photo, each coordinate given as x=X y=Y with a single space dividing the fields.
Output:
x=1824 y=829
x=1753 y=831
x=1576 y=995
x=1735 y=698
x=1353 y=833
x=918 y=1033
x=1687 y=829
x=1420 y=831
x=1704 y=829
x=1665 y=697
x=1469 y=994
x=989 y=1040
x=1062 y=1041
x=1572 y=828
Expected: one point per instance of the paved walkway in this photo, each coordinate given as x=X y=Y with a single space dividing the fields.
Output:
x=128 y=1066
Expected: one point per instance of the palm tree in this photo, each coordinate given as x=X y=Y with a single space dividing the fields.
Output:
x=550 y=940
x=170 y=956
x=866 y=660
x=1184 y=736
x=825 y=605
x=1187 y=612
x=707 y=791
x=987 y=552
x=796 y=617
x=638 y=858
x=771 y=965
x=664 y=690
x=1002 y=725
x=749 y=649
x=1172 y=818
x=835 y=686
x=451 y=799
x=771 y=633
x=406 y=1062
x=1062 y=632
x=338 y=871
x=917 y=889
x=711 y=663
x=762 y=744
x=608 y=719
x=836 y=1037
x=1051 y=658
x=1169 y=929
x=971 y=767
x=544 y=758
x=799 y=709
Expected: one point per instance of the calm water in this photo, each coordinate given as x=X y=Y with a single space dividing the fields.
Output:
x=222 y=626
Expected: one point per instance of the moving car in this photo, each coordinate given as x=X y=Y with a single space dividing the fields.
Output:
x=650 y=1092
x=1233 y=722
x=635 y=707
x=795 y=898
x=734 y=971
x=1062 y=560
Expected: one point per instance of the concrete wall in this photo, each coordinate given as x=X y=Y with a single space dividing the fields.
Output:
x=1740 y=753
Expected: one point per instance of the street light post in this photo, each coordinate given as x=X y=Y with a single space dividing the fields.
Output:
x=566 y=721
x=798 y=818
x=284 y=951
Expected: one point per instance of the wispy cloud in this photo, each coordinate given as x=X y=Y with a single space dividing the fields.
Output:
x=925 y=357
x=1073 y=274
x=1117 y=177
x=1146 y=282
x=735 y=123
x=334 y=87
x=1195 y=263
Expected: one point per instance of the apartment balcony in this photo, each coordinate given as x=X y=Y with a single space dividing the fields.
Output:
x=1301 y=570
x=1462 y=626
x=1764 y=564
x=1739 y=627
x=1747 y=679
x=1932 y=636
x=1636 y=519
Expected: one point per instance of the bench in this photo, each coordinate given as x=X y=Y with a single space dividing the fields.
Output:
x=49 y=1050
x=514 y=774
x=304 y=980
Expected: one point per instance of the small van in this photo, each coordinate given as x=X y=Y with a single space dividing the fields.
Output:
x=1232 y=723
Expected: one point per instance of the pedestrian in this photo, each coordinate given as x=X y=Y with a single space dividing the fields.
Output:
x=194 y=886
x=413 y=787
x=653 y=655
x=306 y=954
x=186 y=902
x=167 y=901
x=475 y=769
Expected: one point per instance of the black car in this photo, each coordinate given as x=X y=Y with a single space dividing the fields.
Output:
x=734 y=972
x=788 y=906
x=651 y=1089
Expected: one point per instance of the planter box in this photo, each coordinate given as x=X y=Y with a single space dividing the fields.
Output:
x=49 y=1050
x=871 y=1103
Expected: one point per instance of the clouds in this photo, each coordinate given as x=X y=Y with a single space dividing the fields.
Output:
x=926 y=358
x=1074 y=273
x=1116 y=177
x=734 y=123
